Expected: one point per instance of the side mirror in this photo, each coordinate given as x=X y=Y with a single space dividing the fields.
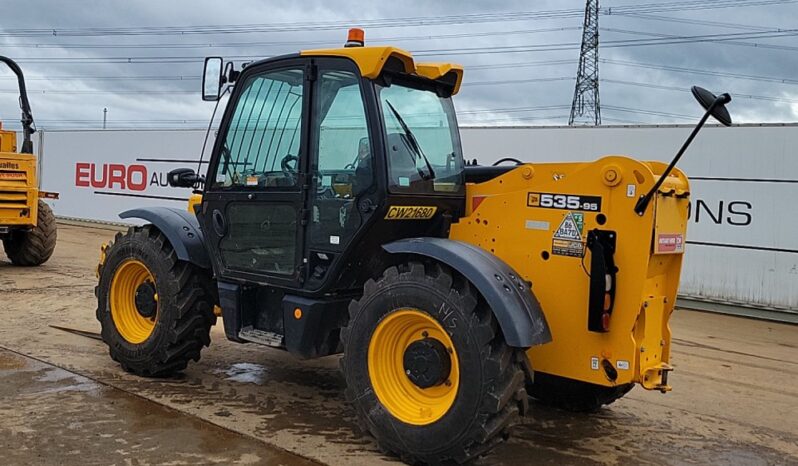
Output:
x=184 y=178
x=715 y=105
x=212 y=78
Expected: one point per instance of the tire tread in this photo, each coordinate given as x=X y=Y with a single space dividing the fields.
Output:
x=35 y=246
x=194 y=317
x=504 y=397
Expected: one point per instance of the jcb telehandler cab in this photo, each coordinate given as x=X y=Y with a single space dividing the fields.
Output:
x=337 y=216
x=27 y=224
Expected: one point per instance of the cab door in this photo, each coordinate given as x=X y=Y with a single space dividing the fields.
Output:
x=253 y=205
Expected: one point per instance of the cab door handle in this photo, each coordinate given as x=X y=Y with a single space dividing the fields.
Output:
x=219 y=223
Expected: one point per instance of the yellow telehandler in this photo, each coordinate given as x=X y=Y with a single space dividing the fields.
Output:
x=337 y=215
x=27 y=224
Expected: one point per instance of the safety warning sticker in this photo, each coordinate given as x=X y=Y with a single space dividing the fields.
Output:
x=570 y=248
x=670 y=243
x=571 y=226
x=567 y=240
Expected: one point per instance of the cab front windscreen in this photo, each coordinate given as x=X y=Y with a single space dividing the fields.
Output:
x=422 y=141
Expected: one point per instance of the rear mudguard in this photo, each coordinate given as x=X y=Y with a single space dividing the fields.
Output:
x=509 y=297
x=180 y=227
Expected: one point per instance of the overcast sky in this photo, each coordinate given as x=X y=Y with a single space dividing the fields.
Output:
x=82 y=56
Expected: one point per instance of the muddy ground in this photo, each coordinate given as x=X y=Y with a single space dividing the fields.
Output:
x=63 y=401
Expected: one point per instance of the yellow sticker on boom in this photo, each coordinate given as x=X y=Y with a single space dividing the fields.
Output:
x=410 y=212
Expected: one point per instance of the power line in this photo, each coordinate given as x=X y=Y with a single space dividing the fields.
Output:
x=681 y=89
x=106 y=78
x=725 y=40
x=466 y=84
x=197 y=77
x=699 y=22
x=148 y=92
x=622 y=120
x=289 y=43
x=67 y=91
x=178 y=120
x=698 y=71
x=527 y=118
x=648 y=112
x=199 y=124
x=495 y=66
x=515 y=109
x=385 y=22
x=289 y=27
x=519 y=81
x=483 y=50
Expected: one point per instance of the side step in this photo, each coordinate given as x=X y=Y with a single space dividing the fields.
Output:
x=262 y=337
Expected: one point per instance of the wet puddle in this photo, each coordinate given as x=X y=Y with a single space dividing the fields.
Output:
x=52 y=416
x=245 y=372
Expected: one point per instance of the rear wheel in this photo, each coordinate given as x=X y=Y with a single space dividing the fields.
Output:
x=574 y=395
x=155 y=310
x=35 y=246
x=427 y=368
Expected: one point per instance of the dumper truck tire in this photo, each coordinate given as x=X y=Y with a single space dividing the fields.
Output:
x=155 y=310
x=35 y=246
x=427 y=368
x=574 y=395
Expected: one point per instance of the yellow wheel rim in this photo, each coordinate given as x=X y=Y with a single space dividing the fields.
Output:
x=397 y=393
x=131 y=325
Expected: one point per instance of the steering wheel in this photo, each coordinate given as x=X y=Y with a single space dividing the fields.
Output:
x=288 y=170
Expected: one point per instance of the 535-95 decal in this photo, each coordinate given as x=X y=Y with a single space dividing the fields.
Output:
x=564 y=201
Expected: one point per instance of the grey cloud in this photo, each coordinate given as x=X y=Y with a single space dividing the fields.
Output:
x=160 y=100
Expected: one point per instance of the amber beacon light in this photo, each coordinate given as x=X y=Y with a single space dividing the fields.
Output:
x=355 y=38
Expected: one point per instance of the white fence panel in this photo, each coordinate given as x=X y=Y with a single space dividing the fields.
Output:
x=743 y=231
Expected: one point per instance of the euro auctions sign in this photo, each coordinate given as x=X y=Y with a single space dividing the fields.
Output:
x=136 y=177
x=110 y=176
x=100 y=174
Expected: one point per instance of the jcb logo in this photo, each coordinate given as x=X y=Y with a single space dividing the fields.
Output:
x=408 y=212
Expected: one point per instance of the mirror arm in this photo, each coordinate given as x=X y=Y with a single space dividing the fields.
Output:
x=642 y=203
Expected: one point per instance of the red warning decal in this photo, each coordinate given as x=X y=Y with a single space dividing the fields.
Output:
x=670 y=243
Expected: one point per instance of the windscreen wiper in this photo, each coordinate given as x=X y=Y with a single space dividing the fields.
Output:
x=413 y=145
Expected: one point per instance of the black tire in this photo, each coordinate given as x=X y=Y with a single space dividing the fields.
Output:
x=184 y=316
x=484 y=407
x=574 y=395
x=35 y=246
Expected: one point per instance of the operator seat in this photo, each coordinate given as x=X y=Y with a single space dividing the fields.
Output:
x=401 y=161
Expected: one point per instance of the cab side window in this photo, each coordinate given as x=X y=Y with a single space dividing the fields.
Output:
x=261 y=147
x=344 y=158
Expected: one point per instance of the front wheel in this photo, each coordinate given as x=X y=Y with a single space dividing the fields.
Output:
x=427 y=367
x=156 y=311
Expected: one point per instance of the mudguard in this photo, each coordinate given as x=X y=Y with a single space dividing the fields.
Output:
x=180 y=227
x=510 y=297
